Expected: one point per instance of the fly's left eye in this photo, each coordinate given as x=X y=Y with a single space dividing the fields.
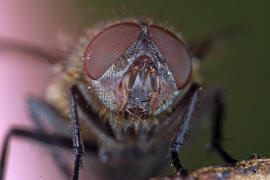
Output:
x=107 y=46
x=175 y=54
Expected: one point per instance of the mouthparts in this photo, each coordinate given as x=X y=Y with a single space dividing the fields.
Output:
x=142 y=85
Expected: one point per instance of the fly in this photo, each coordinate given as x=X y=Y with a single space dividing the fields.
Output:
x=130 y=97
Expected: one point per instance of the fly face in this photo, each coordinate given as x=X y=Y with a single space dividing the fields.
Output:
x=137 y=70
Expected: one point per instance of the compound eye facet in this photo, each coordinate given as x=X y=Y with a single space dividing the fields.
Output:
x=175 y=54
x=108 y=45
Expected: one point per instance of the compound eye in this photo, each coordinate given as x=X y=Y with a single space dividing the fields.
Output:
x=175 y=54
x=107 y=46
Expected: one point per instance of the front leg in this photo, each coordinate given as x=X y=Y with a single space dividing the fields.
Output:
x=77 y=141
x=176 y=145
x=102 y=132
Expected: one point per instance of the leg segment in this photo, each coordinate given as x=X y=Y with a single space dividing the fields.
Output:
x=39 y=135
x=102 y=132
x=77 y=141
x=56 y=140
x=98 y=128
x=217 y=133
x=41 y=113
x=176 y=145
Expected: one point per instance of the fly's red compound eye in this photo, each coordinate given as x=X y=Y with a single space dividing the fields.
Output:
x=107 y=46
x=175 y=54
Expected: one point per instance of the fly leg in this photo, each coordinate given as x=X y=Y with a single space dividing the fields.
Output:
x=177 y=143
x=102 y=132
x=180 y=118
x=44 y=114
x=56 y=140
x=41 y=112
x=218 y=121
x=39 y=135
x=77 y=141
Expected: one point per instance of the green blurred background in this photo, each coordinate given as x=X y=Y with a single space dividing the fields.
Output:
x=240 y=67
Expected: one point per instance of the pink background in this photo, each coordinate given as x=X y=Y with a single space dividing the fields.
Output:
x=36 y=22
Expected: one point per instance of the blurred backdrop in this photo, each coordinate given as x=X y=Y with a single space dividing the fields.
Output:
x=240 y=66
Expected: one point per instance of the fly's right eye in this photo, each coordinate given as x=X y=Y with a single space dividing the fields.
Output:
x=175 y=53
x=107 y=46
